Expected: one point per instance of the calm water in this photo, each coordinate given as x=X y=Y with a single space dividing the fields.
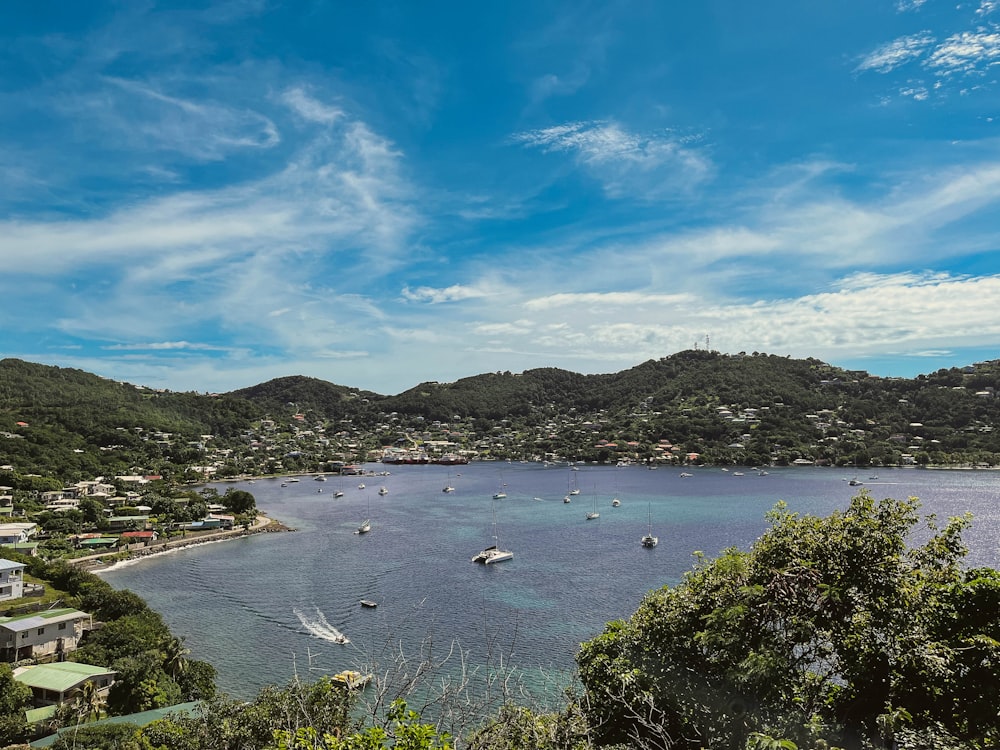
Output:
x=264 y=607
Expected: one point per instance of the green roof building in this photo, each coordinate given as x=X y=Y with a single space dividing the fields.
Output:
x=55 y=683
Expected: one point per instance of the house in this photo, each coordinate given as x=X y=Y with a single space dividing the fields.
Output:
x=54 y=684
x=134 y=537
x=128 y=522
x=11 y=580
x=17 y=533
x=54 y=631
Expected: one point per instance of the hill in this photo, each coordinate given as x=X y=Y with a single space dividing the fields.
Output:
x=748 y=409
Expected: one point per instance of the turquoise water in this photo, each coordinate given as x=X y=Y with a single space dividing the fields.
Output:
x=266 y=607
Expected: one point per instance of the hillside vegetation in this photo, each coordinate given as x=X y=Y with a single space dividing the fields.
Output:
x=694 y=406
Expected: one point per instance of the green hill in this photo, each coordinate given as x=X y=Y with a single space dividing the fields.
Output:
x=752 y=409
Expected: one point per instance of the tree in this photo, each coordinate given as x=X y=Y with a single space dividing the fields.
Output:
x=829 y=630
x=175 y=654
x=239 y=501
x=15 y=697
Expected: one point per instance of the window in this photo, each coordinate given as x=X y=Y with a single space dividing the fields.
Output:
x=41 y=631
x=24 y=634
x=62 y=626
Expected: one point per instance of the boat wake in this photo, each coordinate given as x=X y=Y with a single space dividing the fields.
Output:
x=319 y=627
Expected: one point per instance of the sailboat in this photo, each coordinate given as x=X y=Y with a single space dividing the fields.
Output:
x=593 y=514
x=493 y=553
x=574 y=489
x=649 y=540
x=500 y=494
x=366 y=525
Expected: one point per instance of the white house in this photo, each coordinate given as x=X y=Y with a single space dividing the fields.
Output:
x=54 y=631
x=11 y=580
x=17 y=533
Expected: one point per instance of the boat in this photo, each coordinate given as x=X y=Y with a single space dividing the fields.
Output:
x=293 y=479
x=448 y=488
x=493 y=553
x=369 y=603
x=566 y=499
x=685 y=475
x=341 y=639
x=351 y=679
x=615 y=503
x=855 y=482
x=361 y=486
x=593 y=514
x=319 y=478
x=338 y=493
x=366 y=525
x=574 y=490
x=649 y=540
x=383 y=491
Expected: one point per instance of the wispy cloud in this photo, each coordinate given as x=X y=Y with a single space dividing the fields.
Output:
x=898 y=52
x=452 y=293
x=966 y=53
x=143 y=115
x=628 y=164
x=310 y=108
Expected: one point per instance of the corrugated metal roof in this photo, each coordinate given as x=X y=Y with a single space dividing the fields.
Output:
x=59 y=676
x=139 y=719
x=19 y=623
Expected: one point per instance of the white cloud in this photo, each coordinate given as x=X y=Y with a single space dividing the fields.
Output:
x=890 y=56
x=454 y=293
x=987 y=6
x=310 y=108
x=167 y=346
x=145 y=116
x=907 y=5
x=965 y=53
x=628 y=164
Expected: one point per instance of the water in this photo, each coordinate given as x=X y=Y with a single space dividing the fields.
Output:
x=266 y=607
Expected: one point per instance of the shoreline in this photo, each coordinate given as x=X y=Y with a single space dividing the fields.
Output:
x=108 y=560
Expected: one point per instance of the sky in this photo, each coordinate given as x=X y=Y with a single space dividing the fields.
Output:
x=207 y=195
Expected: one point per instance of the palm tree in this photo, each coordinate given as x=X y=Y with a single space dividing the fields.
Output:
x=174 y=657
x=88 y=701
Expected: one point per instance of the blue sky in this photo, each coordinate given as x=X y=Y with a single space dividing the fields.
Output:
x=204 y=196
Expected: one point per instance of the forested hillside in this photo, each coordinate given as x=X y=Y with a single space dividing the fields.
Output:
x=744 y=409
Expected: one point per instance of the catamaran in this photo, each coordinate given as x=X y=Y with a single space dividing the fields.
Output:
x=649 y=540
x=493 y=553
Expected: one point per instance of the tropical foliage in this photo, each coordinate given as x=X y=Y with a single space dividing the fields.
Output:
x=829 y=632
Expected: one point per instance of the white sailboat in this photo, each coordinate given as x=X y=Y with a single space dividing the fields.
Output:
x=493 y=553
x=649 y=540
x=366 y=525
x=574 y=490
x=501 y=493
x=593 y=514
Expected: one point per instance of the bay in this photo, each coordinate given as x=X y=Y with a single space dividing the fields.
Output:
x=266 y=607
